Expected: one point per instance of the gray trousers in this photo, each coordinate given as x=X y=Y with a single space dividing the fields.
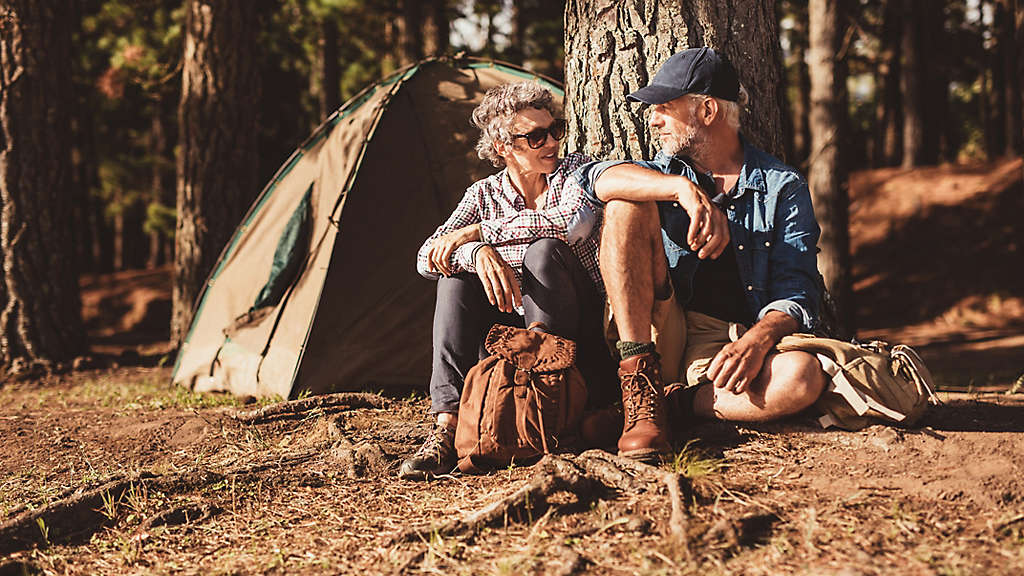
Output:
x=556 y=291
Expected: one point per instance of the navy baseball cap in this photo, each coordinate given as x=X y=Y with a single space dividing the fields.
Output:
x=693 y=71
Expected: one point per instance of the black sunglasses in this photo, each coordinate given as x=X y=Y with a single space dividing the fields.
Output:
x=537 y=137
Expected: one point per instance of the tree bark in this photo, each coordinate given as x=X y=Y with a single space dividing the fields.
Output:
x=826 y=175
x=330 y=74
x=615 y=47
x=40 y=325
x=217 y=123
x=1018 y=50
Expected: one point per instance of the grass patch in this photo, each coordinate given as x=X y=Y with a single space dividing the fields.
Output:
x=694 y=463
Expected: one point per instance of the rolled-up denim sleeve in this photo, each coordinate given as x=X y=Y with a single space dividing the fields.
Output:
x=588 y=174
x=793 y=260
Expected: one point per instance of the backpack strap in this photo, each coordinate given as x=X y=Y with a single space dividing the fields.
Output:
x=859 y=401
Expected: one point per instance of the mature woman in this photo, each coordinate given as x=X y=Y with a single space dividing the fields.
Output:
x=505 y=256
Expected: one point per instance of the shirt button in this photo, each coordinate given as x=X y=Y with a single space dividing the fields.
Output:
x=767 y=244
x=732 y=206
x=740 y=247
x=749 y=288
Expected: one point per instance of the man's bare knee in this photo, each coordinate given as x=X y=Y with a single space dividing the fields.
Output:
x=627 y=214
x=798 y=378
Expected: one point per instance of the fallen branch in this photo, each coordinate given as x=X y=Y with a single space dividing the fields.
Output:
x=299 y=408
x=86 y=512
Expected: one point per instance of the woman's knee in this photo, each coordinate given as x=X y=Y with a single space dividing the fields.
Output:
x=545 y=253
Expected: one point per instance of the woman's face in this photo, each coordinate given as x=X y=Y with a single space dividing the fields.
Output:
x=518 y=155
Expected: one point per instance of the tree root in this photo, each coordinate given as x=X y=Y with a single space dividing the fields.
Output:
x=592 y=475
x=299 y=408
x=553 y=474
x=84 y=513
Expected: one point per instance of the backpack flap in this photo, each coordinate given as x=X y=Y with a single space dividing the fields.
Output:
x=531 y=350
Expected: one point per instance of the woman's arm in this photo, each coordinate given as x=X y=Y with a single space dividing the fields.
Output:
x=455 y=230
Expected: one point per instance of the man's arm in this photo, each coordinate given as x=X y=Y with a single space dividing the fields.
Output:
x=708 y=234
x=793 y=286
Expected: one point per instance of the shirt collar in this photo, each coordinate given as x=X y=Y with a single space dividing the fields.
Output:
x=751 y=174
x=512 y=195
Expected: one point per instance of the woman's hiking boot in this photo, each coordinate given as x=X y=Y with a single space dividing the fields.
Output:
x=435 y=457
x=645 y=432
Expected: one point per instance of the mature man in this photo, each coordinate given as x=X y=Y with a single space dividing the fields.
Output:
x=743 y=254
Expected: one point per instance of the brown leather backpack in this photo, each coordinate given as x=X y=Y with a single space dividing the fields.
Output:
x=524 y=400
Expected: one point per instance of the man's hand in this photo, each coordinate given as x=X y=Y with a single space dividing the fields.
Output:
x=709 y=228
x=442 y=247
x=498 y=279
x=737 y=364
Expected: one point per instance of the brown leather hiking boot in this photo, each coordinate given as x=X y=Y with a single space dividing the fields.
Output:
x=645 y=433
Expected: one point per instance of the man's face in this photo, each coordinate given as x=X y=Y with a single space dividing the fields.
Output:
x=676 y=124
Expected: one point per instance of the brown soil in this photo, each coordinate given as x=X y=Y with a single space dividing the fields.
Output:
x=938 y=266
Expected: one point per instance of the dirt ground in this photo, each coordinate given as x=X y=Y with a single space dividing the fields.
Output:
x=152 y=479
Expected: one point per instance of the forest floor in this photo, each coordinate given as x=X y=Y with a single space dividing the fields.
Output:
x=112 y=471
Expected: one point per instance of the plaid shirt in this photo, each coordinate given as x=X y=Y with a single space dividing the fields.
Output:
x=509 y=227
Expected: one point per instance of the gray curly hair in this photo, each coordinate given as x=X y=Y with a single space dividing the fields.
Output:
x=495 y=114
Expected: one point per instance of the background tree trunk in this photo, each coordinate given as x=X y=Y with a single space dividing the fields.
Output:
x=910 y=84
x=40 y=324
x=892 y=120
x=933 y=100
x=615 y=47
x=330 y=79
x=826 y=174
x=1010 y=53
x=410 y=33
x=217 y=122
x=801 y=134
x=436 y=27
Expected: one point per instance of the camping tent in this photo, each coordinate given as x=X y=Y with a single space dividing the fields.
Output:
x=318 y=290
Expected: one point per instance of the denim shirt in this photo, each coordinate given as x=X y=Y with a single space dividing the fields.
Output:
x=771 y=226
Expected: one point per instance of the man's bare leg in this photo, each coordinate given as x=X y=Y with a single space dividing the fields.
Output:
x=788 y=383
x=631 y=257
x=633 y=265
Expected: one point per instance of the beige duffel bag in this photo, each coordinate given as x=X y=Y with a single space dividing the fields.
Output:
x=870 y=382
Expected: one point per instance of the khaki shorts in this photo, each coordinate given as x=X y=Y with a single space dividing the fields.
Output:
x=685 y=341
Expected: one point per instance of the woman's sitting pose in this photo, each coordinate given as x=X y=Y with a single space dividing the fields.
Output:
x=504 y=256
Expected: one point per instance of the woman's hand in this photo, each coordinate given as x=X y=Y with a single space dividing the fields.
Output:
x=498 y=279
x=709 y=228
x=442 y=247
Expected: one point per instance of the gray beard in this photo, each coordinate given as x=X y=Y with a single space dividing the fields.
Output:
x=693 y=144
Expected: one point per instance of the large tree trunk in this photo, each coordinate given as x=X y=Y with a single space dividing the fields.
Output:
x=217 y=122
x=40 y=324
x=826 y=175
x=615 y=47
